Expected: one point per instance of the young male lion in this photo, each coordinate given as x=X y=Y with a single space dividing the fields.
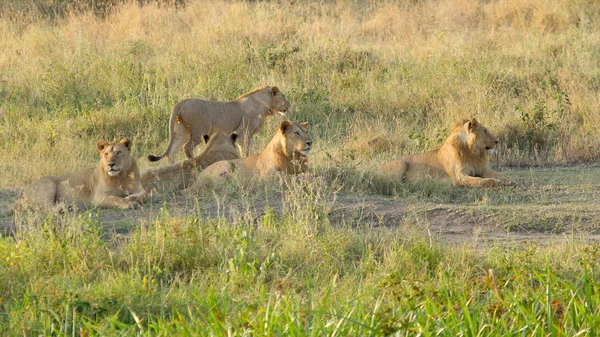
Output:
x=115 y=182
x=287 y=152
x=245 y=116
x=463 y=158
x=178 y=176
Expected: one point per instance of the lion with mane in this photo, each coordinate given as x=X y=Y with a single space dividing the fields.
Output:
x=462 y=157
x=114 y=183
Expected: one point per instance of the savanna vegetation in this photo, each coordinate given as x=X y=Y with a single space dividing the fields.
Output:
x=299 y=255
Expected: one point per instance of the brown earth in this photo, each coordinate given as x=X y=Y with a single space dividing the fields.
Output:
x=549 y=214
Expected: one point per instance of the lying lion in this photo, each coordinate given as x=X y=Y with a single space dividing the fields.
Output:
x=287 y=152
x=178 y=176
x=463 y=158
x=115 y=182
x=245 y=116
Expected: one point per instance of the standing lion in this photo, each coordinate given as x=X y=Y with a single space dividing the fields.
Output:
x=463 y=158
x=245 y=116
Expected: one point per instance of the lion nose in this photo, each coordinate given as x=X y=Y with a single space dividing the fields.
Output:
x=309 y=143
x=496 y=141
x=111 y=165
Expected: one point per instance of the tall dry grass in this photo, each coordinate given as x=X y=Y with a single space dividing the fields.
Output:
x=376 y=80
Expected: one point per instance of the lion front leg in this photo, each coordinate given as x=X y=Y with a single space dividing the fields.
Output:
x=112 y=201
x=495 y=175
x=140 y=196
x=245 y=132
x=469 y=181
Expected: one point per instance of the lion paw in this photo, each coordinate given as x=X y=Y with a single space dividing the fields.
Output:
x=130 y=204
x=492 y=182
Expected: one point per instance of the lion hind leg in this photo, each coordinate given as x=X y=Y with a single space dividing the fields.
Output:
x=41 y=193
x=218 y=170
x=396 y=169
x=190 y=145
x=180 y=133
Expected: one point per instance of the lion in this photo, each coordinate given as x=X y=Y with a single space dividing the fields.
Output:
x=178 y=176
x=245 y=116
x=462 y=157
x=114 y=183
x=287 y=152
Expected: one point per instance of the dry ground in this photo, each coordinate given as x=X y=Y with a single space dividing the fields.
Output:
x=549 y=204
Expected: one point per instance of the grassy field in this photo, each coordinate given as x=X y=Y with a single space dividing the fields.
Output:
x=334 y=252
x=301 y=257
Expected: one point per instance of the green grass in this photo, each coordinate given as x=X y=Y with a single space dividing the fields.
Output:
x=336 y=252
x=212 y=263
x=286 y=274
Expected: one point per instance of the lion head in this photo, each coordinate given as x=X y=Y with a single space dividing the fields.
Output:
x=221 y=140
x=475 y=136
x=278 y=103
x=483 y=138
x=114 y=157
x=295 y=138
x=220 y=146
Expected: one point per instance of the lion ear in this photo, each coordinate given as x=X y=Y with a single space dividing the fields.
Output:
x=126 y=142
x=473 y=124
x=285 y=126
x=206 y=138
x=304 y=125
x=274 y=91
x=101 y=145
x=234 y=137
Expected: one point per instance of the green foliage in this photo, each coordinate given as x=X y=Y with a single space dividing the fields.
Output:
x=220 y=277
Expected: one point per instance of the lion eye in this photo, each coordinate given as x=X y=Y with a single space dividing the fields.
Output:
x=118 y=153
x=106 y=154
x=297 y=134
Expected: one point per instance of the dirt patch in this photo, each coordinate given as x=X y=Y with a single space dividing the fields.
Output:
x=555 y=207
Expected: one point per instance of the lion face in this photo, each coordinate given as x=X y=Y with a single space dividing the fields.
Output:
x=278 y=103
x=482 y=138
x=296 y=138
x=114 y=156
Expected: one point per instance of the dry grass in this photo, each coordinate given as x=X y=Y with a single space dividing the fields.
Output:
x=403 y=71
x=376 y=80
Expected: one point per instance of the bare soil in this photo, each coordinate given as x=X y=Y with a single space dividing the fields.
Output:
x=543 y=212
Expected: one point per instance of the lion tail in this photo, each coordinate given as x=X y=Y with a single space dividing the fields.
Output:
x=172 y=121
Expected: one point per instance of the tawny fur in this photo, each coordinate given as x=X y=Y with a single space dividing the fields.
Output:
x=115 y=183
x=287 y=152
x=245 y=116
x=178 y=176
x=462 y=158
